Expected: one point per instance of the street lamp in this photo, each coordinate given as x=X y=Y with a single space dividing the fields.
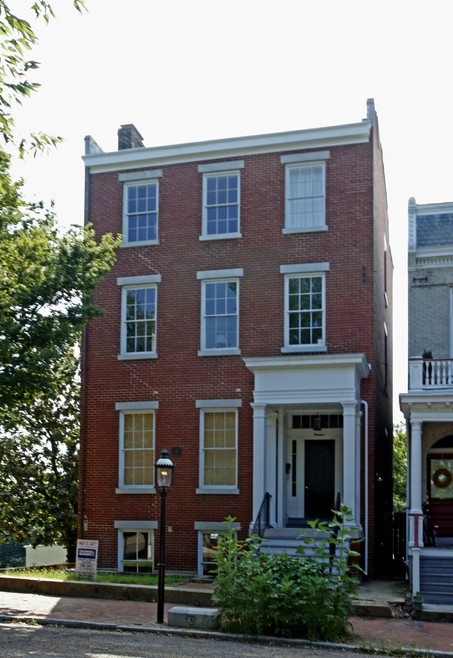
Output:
x=163 y=471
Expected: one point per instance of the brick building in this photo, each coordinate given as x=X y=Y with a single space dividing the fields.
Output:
x=247 y=329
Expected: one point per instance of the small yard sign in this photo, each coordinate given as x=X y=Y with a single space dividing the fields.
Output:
x=87 y=558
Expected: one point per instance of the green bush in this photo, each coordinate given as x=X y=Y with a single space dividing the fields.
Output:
x=262 y=594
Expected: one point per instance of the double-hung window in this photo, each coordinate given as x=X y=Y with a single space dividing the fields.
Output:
x=218 y=445
x=305 y=192
x=221 y=200
x=136 y=445
x=220 y=311
x=305 y=307
x=138 y=316
x=140 y=207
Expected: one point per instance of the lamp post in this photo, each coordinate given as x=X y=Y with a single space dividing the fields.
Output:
x=163 y=470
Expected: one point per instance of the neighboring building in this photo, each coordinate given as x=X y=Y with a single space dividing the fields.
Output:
x=428 y=405
x=248 y=330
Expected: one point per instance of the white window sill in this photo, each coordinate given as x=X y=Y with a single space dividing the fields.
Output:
x=139 y=243
x=135 y=490
x=137 y=355
x=306 y=229
x=303 y=348
x=220 y=352
x=221 y=236
x=219 y=490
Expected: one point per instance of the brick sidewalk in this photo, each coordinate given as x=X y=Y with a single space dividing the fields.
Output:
x=383 y=633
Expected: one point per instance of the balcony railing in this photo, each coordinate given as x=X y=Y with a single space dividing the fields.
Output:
x=428 y=374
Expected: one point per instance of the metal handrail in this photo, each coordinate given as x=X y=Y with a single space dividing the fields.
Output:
x=262 y=518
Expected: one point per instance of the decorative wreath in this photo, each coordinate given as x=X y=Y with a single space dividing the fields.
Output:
x=442 y=478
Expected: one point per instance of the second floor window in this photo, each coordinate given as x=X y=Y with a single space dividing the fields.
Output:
x=220 y=315
x=305 y=311
x=221 y=204
x=139 y=320
x=140 y=212
x=305 y=197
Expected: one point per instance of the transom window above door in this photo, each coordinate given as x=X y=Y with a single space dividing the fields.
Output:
x=316 y=421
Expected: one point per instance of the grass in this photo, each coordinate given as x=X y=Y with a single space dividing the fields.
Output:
x=101 y=577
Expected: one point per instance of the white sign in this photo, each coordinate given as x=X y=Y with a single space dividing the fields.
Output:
x=87 y=558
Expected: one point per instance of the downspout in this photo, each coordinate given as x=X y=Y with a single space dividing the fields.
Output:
x=366 y=483
x=83 y=521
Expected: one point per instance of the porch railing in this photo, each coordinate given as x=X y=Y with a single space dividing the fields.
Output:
x=430 y=373
x=262 y=518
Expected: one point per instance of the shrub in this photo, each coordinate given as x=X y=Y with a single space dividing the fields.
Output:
x=301 y=596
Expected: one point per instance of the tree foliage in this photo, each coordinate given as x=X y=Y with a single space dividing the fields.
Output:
x=399 y=468
x=47 y=283
x=17 y=38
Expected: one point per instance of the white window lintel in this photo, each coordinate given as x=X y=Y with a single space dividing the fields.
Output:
x=135 y=525
x=136 y=176
x=145 y=279
x=220 y=274
x=296 y=158
x=137 y=406
x=304 y=268
x=213 y=167
x=217 y=404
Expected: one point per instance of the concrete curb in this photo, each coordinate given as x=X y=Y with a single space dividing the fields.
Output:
x=146 y=593
x=216 y=635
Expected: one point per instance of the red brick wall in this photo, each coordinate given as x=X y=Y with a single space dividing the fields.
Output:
x=179 y=376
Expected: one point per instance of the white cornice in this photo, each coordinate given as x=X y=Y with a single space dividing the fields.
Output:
x=355 y=133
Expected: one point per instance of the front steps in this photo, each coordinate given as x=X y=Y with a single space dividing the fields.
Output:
x=286 y=540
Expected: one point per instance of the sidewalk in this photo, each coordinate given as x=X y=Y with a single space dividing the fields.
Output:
x=379 y=632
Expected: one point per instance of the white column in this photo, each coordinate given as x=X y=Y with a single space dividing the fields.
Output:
x=270 y=481
x=416 y=474
x=349 y=459
x=259 y=456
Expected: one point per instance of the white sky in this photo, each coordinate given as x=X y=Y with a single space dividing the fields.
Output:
x=189 y=70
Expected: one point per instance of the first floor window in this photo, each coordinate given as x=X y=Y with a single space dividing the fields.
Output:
x=137 y=449
x=219 y=448
x=305 y=310
x=136 y=551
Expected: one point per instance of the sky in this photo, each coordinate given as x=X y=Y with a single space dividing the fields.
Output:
x=190 y=70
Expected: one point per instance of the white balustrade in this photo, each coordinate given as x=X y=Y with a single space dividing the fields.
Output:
x=430 y=373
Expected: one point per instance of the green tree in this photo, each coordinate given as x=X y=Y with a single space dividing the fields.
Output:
x=17 y=38
x=399 y=468
x=47 y=283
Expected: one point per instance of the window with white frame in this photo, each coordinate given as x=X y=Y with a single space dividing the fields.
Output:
x=136 y=546
x=209 y=535
x=218 y=446
x=305 y=312
x=305 y=192
x=221 y=199
x=140 y=212
x=138 y=316
x=220 y=311
x=137 y=441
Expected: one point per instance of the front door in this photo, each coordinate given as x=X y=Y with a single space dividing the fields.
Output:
x=319 y=478
x=440 y=492
x=310 y=476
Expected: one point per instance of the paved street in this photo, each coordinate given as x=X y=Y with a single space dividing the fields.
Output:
x=20 y=640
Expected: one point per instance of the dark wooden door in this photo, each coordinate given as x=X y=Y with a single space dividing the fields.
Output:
x=319 y=478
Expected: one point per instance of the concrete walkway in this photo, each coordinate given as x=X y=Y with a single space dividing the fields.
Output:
x=383 y=632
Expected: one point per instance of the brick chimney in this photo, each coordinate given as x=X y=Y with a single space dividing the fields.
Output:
x=129 y=137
